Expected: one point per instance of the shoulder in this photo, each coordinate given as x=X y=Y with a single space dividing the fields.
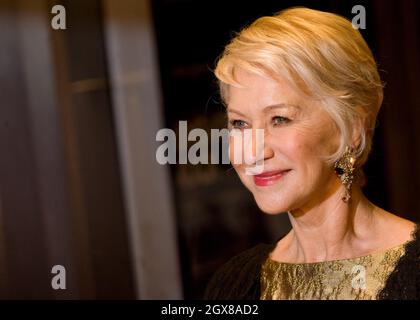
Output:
x=404 y=229
x=404 y=282
x=238 y=278
x=392 y=230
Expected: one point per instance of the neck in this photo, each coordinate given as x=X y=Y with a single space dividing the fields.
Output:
x=331 y=229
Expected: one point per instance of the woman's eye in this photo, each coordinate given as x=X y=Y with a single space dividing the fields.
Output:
x=280 y=120
x=237 y=124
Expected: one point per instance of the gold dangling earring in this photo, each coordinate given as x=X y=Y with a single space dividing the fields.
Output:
x=344 y=167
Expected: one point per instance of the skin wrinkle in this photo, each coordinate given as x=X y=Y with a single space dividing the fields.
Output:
x=324 y=227
x=344 y=232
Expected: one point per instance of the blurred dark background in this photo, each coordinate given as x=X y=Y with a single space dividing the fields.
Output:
x=80 y=109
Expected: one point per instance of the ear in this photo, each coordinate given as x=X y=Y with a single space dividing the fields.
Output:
x=356 y=139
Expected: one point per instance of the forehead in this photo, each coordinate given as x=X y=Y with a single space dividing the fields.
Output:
x=258 y=92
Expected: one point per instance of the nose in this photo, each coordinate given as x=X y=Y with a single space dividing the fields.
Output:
x=254 y=147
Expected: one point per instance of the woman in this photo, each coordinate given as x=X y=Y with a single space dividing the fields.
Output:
x=309 y=80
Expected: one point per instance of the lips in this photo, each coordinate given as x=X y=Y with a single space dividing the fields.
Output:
x=269 y=178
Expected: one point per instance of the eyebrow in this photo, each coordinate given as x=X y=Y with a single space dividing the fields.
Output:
x=267 y=108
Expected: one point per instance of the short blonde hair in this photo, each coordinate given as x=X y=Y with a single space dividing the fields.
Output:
x=322 y=56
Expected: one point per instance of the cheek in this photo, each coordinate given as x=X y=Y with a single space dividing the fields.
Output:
x=305 y=153
x=293 y=146
x=235 y=155
x=309 y=145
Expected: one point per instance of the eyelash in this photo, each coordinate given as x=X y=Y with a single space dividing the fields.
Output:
x=235 y=123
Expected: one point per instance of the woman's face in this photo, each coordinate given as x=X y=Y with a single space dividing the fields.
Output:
x=298 y=133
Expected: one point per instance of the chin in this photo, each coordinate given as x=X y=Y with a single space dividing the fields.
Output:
x=271 y=207
x=272 y=211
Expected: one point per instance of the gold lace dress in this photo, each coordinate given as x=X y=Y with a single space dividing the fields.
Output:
x=347 y=279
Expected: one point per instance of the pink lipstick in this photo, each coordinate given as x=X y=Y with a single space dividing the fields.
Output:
x=269 y=178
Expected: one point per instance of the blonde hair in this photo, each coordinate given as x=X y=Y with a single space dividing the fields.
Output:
x=322 y=56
